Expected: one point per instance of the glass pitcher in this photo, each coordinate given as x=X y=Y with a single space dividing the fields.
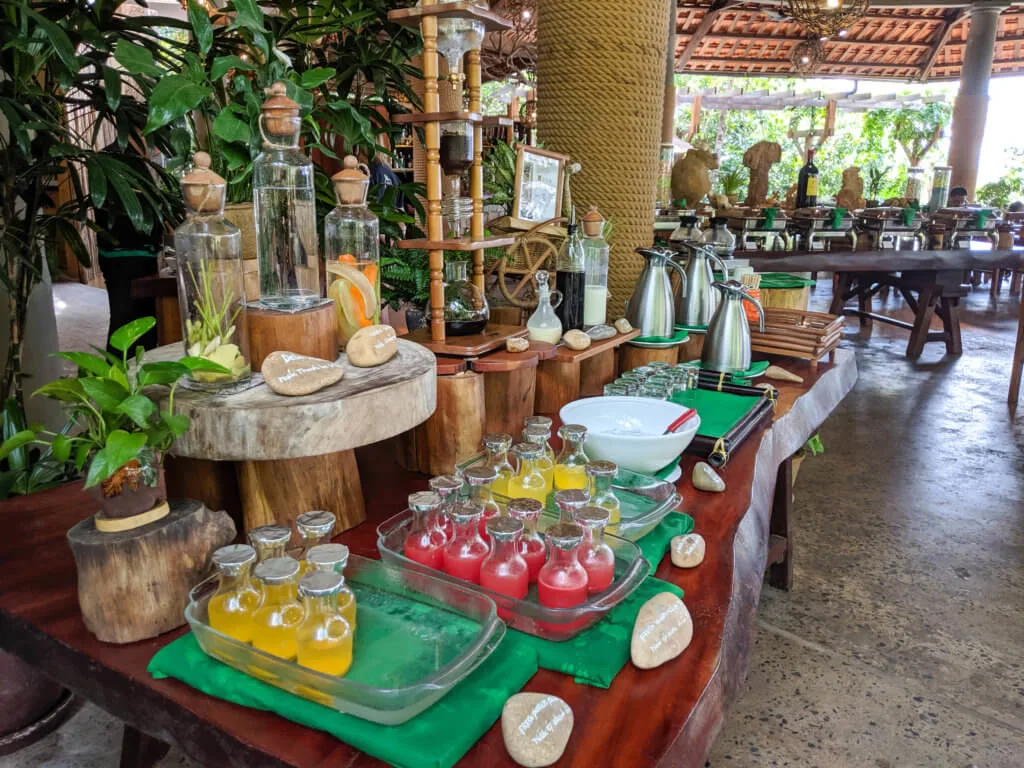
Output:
x=497 y=447
x=531 y=545
x=544 y=324
x=562 y=582
x=529 y=482
x=280 y=613
x=232 y=606
x=465 y=307
x=314 y=528
x=541 y=436
x=596 y=557
x=570 y=502
x=425 y=541
x=721 y=240
x=465 y=552
x=269 y=541
x=448 y=487
x=504 y=570
x=602 y=475
x=570 y=466
x=334 y=557
x=324 y=638
x=480 y=479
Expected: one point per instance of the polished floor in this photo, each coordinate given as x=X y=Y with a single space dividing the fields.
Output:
x=902 y=642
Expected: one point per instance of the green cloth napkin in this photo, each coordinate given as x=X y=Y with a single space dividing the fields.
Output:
x=436 y=738
x=596 y=655
x=718 y=411
x=783 y=280
x=908 y=215
x=769 y=217
x=836 y=218
x=981 y=218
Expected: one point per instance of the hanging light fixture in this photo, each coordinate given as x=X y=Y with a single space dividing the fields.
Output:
x=824 y=18
x=807 y=56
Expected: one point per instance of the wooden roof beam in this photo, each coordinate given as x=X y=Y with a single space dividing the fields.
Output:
x=797 y=38
x=717 y=6
x=940 y=41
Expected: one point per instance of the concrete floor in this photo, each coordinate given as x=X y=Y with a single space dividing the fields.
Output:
x=902 y=642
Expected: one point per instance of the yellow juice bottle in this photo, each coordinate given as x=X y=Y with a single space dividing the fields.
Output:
x=324 y=639
x=602 y=474
x=497 y=447
x=539 y=436
x=334 y=557
x=232 y=606
x=530 y=482
x=314 y=528
x=571 y=464
x=278 y=617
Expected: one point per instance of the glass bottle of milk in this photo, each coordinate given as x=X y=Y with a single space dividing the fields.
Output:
x=544 y=324
x=595 y=260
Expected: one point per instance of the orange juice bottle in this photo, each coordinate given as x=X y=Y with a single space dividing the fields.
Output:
x=333 y=558
x=529 y=483
x=314 y=528
x=545 y=463
x=571 y=464
x=280 y=613
x=324 y=639
x=269 y=541
x=232 y=606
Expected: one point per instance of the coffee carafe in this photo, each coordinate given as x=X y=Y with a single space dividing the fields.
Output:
x=727 y=344
x=651 y=308
x=697 y=302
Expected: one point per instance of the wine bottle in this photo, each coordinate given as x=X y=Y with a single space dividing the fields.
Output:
x=807 y=183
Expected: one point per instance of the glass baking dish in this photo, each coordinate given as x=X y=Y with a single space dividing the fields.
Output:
x=417 y=636
x=644 y=500
x=528 y=615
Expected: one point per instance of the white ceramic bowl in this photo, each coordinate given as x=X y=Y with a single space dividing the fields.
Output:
x=628 y=430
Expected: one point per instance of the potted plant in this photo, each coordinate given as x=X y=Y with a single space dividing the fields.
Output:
x=875 y=180
x=119 y=435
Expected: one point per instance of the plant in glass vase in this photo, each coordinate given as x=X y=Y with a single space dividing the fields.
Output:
x=119 y=433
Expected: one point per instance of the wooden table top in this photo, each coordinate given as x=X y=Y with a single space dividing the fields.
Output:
x=670 y=715
x=886 y=261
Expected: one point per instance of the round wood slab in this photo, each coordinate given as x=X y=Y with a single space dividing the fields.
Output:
x=367 y=405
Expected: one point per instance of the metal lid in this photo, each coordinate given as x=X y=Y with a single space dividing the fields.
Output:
x=528 y=450
x=446 y=484
x=564 y=535
x=537 y=421
x=317 y=523
x=203 y=189
x=504 y=528
x=320 y=583
x=593 y=222
x=572 y=431
x=269 y=534
x=481 y=474
x=592 y=517
x=537 y=434
x=572 y=497
x=234 y=556
x=277 y=570
x=424 y=501
x=328 y=556
x=500 y=441
x=351 y=182
x=602 y=468
x=466 y=511
x=525 y=508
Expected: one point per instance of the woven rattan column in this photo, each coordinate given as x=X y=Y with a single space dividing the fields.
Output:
x=600 y=84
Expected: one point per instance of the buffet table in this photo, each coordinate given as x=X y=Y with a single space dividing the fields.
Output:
x=40 y=619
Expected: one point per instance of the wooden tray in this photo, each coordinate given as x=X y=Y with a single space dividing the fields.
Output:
x=797 y=333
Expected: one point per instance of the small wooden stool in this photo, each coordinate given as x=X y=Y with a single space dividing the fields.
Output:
x=571 y=374
x=631 y=357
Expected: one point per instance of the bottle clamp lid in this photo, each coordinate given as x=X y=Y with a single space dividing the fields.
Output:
x=504 y=528
x=446 y=484
x=602 y=468
x=572 y=497
x=525 y=508
x=592 y=517
x=424 y=501
x=481 y=474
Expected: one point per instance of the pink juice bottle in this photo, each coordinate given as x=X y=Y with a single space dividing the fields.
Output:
x=504 y=570
x=562 y=582
x=570 y=502
x=465 y=553
x=596 y=557
x=480 y=479
x=425 y=541
x=448 y=488
x=531 y=545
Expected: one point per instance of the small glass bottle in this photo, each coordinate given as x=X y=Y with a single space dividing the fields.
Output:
x=232 y=606
x=504 y=570
x=541 y=436
x=570 y=466
x=571 y=279
x=211 y=278
x=352 y=250
x=324 y=638
x=480 y=479
x=529 y=483
x=544 y=324
x=334 y=557
x=595 y=260
x=425 y=541
x=596 y=557
x=284 y=204
x=448 y=487
x=497 y=447
x=531 y=545
x=602 y=475
x=569 y=502
x=547 y=423
x=466 y=551
x=269 y=541
x=280 y=613
x=721 y=240
x=314 y=528
x=562 y=582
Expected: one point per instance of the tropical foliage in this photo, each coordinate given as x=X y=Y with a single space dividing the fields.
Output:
x=1008 y=189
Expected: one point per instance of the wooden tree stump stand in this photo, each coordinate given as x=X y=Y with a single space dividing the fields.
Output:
x=134 y=585
x=312 y=332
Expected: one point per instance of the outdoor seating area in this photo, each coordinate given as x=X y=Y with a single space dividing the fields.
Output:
x=439 y=383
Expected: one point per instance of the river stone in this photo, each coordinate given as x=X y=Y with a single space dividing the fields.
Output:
x=576 y=340
x=622 y=325
x=601 y=332
x=536 y=727
x=662 y=631
x=371 y=346
x=287 y=373
x=706 y=479
x=687 y=551
x=517 y=345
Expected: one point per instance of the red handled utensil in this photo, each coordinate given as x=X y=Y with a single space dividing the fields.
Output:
x=675 y=425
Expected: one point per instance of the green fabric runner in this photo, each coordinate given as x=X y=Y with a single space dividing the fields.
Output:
x=678 y=337
x=436 y=738
x=718 y=411
x=783 y=280
x=596 y=655
x=125 y=254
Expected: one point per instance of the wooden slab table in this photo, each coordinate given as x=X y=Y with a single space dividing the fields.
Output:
x=668 y=716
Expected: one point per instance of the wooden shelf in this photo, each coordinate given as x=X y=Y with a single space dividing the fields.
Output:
x=416 y=118
x=466 y=244
x=565 y=355
x=497 y=121
x=411 y=17
x=493 y=337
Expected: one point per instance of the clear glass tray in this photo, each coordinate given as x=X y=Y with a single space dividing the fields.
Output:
x=528 y=615
x=417 y=636
x=644 y=500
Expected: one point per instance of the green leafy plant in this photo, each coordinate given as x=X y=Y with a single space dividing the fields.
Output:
x=499 y=166
x=211 y=334
x=29 y=468
x=915 y=128
x=113 y=420
x=876 y=175
x=731 y=182
x=405 y=277
x=1010 y=187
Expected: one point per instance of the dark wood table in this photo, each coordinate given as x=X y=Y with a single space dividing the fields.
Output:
x=668 y=716
x=931 y=282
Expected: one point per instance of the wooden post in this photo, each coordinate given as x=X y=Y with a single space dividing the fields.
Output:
x=476 y=172
x=432 y=131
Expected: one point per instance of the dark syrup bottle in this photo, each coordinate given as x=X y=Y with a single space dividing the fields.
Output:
x=571 y=280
